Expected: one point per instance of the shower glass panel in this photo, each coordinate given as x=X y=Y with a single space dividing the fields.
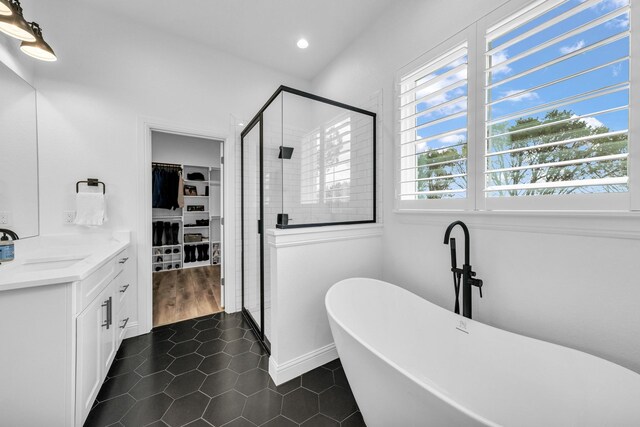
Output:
x=329 y=177
x=272 y=192
x=307 y=161
x=251 y=231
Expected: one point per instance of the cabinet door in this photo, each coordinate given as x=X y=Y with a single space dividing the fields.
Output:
x=109 y=334
x=89 y=372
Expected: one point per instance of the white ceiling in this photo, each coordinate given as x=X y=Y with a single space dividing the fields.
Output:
x=264 y=31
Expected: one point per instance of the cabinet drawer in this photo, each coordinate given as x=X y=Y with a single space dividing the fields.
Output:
x=124 y=317
x=91 y=287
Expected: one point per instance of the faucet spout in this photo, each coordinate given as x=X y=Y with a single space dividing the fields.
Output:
x=11 y=234
x=466 y=237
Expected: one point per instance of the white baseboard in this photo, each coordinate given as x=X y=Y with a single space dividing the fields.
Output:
x=281 y=373
x=133 y=330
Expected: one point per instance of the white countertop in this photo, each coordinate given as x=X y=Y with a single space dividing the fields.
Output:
x=47 y=260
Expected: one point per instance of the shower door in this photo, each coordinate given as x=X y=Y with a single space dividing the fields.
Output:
x=252 y=236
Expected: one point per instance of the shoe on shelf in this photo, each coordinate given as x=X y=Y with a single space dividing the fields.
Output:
x=175 y=231
x=157 y=233
x=205 y=252
x=167 y=238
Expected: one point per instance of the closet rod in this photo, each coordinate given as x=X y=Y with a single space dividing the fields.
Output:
x=167 y=165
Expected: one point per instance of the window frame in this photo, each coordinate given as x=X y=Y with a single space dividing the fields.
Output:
x=475 y=37
x=466 y=36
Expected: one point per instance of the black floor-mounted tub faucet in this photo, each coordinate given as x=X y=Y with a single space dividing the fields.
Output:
x=466 y=274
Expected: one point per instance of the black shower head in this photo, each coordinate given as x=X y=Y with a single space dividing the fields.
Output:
x=285 y=152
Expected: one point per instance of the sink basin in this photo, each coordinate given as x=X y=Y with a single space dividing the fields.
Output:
x=51 y=263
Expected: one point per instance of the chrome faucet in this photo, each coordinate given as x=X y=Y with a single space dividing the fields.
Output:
x=11 y=234
x=466 y=273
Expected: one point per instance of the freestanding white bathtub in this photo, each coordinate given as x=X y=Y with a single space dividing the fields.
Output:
x=413 y=363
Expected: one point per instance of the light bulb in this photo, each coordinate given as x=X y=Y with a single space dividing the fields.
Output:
x=5 y=8
x=303 y=43
x=15 y=26
x=38 y=49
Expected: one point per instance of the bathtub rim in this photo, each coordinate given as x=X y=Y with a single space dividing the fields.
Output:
x=426 y=387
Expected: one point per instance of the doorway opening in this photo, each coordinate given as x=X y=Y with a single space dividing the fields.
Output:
x=187 y=227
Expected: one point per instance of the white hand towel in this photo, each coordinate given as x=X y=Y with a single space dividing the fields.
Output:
x=91 y=209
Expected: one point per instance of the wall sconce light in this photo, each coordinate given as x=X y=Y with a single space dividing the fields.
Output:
x=38 y=49
x=5 y=8
x=15 y=25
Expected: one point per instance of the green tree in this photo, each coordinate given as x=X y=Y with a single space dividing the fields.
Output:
x=550 y=132
x=435 y=164
x=537 y=141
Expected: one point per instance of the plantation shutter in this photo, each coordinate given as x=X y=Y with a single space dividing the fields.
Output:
x=433 y=128
x=557 y=100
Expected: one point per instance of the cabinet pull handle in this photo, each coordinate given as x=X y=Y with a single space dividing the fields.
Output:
x=123 y=260
x=124 y=288
x=124 y=325
x=110 y=312
x=106 y=322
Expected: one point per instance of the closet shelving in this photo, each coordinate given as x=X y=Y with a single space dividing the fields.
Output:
x=208 y=195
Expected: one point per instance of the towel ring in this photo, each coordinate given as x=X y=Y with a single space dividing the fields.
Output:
x=91 y=182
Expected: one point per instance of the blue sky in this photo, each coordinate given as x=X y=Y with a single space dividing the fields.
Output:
x=522 y=98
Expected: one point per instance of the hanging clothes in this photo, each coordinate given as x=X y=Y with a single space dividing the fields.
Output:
x=166 y=183
x=181 y=192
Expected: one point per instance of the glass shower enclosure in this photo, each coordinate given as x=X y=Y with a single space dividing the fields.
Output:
x=307 y=161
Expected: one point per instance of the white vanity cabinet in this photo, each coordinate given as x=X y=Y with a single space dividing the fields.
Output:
x=58 y=341
x=100 y=328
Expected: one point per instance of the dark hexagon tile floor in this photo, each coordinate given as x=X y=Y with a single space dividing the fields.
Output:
x=211 y=371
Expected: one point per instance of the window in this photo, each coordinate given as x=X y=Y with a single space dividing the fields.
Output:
x=337 y=161
x=557 y=100
x=553 y=101
x=329 y=150
x=433 y=128
x=310 y=169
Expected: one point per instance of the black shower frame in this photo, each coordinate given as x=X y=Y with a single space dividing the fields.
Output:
x=258 y=117
x=257 y=120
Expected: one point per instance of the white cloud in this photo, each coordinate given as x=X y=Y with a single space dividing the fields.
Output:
x=592 y=122
x=524 y=96
x=451 y=139
x=572 y=48
x=616 y=69
x=498 y=58
x=621 y=22
x=614 y=4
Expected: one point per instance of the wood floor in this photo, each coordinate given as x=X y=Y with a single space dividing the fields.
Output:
x=185 y=293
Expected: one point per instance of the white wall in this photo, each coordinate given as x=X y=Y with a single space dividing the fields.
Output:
x=305 y=263
x=186 y=150
x=111 y=74
x=565 y=279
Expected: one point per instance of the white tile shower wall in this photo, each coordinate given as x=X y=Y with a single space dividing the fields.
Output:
x=305 y=198
x=294 y=177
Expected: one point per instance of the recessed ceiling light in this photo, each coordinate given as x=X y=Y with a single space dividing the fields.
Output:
x=240 y=124
x=303 y=43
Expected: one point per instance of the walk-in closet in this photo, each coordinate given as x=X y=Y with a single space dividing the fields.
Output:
x=187 y=227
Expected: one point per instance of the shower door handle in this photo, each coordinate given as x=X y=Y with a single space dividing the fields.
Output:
x=259 y=226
